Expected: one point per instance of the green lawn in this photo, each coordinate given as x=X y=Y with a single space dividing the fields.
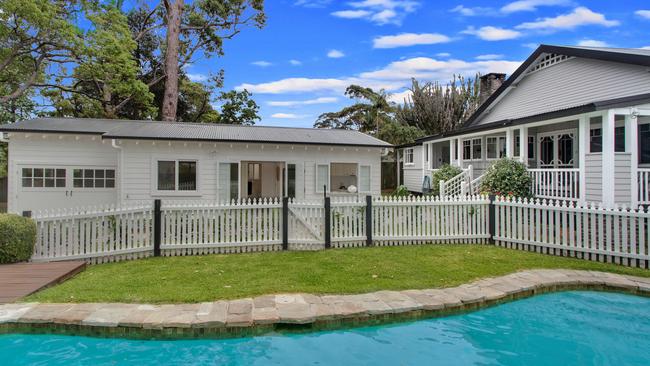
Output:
x=213 y=277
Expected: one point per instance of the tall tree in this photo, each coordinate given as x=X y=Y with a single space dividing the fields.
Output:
x=436 y=108
x=237 y=108
x=367 y=115
x=105 y=76
x=201 y=25
x=37 y=39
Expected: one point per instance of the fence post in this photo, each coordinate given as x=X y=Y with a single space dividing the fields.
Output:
x=285 y=223
x=492 y=218
x=441 y=189
x=328 y=223
x=368 y=221
x=157 y=227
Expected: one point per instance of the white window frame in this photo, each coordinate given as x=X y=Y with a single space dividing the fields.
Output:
x=88 y=189
x=471 y=148
x=369 y=178
x=19 y=176
x=501 y=142
x=318 y=187
x=176 y=192
x=409 y=152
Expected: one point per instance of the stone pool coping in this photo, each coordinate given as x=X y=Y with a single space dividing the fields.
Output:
x=299 y=312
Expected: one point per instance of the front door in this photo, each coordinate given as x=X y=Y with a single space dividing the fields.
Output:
x=557 y=150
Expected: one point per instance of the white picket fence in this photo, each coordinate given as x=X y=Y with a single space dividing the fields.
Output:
x=204 y=227
x=592 y=232
x=101 y=234
x=96 y=234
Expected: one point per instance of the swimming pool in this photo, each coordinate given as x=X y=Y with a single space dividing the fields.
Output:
x=569 y=328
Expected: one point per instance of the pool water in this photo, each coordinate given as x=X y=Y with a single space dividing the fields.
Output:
x=568 y=328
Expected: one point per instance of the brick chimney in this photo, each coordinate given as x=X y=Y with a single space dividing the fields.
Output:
x=489 y=84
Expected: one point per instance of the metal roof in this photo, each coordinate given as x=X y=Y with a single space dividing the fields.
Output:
x=155 y=130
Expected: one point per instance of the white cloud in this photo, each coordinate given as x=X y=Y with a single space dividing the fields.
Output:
x=261 y=63
x=645 y=48
x=409 y=39
x=578 y=17
x=352 y=14
x=471 y=12
x=394 y=77
x=426 y=68
x=197 y=77
x=443 y=54
x=379 y=11
x=312 y=3
x=293 y=103
x=643 y=13
x=593 y=43
x=399 y=97
x=530 y=5
x=489 y=56
x=295 y=62
x=335 y=54
x=287 y=116
x=490 y=33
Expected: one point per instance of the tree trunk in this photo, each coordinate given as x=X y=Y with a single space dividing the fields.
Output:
x=170 y=98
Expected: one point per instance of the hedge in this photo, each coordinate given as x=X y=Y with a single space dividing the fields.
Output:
x=17 y=238
x=445 y=173
x=506 y=177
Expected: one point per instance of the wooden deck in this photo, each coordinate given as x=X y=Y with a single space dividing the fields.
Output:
x=21 y=279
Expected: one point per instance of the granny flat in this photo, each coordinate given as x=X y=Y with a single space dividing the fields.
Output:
x=578 y=117
x=69 y=162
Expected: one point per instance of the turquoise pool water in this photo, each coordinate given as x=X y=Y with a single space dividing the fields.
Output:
x=569 y=328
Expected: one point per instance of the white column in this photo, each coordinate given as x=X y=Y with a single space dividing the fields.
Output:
x=583 y=143
x=452 y=145
x=608 y=158
x=632 y=146
x=523 y=145
x=459 y=150
x=510 y=143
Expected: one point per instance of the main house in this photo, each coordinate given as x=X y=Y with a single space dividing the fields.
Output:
x=578 y=117
x=59 y=162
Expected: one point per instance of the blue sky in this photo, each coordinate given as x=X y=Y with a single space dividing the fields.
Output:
x=298 y=66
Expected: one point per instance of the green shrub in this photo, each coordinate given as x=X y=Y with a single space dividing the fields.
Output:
x=17 y=238
x=445 y=173
x=506 y=177
x=401 y=191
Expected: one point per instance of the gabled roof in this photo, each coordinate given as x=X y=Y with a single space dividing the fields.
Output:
x=155 y=130
x=632 y=56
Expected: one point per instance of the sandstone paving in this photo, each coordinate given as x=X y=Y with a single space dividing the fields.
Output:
x=309 y=308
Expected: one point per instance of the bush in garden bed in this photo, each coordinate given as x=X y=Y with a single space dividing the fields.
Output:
x=508 y=178
x=445 y=173
x=17 y=238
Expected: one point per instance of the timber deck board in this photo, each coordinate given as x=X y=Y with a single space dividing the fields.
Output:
x=21 y=279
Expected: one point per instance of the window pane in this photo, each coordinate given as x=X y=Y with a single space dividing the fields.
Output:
x=27 y=182
x=476 y=149
x=619 y=139
x=110 y=173
x=38 y=172
x=60 y=173
x=502 y=147
x=49 y=173
x=531 y=147
x=644 y=143
x=27 y=172
x=234 y=181
x=166 y=175
x=595 y=140
x=467 y=150
x=342 y=177
x=99 y=173
x=89 y=173
x=364 y=178
x=78 y=183
x=99 y=183
x=49 y=182
x=491 y=147
x=77 y=173
x=291 y=180
x=517 y=146
x=110 y=183
x=38 y=182
x=322 y=178
x=187 y=175
x=60 y=183
x=89 y=183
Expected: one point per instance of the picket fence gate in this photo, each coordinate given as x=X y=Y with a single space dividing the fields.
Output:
x=169 y=228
